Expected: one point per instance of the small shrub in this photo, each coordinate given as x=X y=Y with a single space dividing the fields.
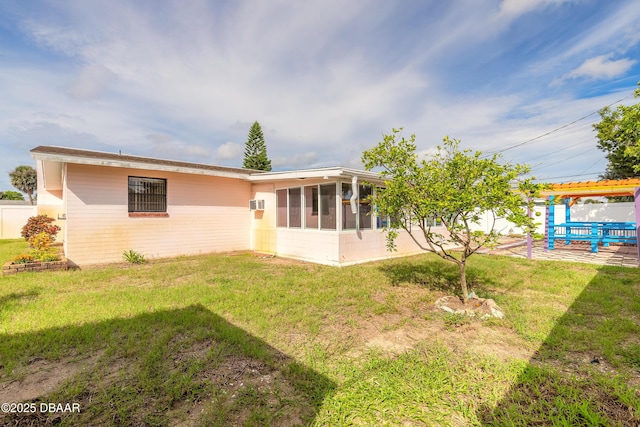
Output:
x=48 y=257
x=40 y=242
x=39 y=224
x=23 y=259
x=133 y=257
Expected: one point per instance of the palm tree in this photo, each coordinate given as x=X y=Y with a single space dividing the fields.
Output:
x=24 y=178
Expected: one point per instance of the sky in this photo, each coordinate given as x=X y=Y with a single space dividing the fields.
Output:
x=185 y=80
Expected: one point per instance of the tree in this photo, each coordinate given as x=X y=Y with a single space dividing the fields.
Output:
x=11 y=195
x=453 y=187
x=24 y=179
x=619 y=137
x=590 y=201
x=633 y=152
x=255 y=150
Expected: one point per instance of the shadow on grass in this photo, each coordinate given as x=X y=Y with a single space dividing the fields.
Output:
x=435 y=274
x=169 y=367
x=6 y=301
x=586 y=372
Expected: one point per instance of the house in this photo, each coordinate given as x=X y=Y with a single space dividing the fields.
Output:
x=108 y=203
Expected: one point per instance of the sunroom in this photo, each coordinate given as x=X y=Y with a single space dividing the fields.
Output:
x=322 y=215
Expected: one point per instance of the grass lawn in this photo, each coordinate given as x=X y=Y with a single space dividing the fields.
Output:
x=238 y=339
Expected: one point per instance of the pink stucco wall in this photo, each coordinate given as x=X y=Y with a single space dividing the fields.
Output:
x=205 y=214
x=263 y=223
x=51 y=202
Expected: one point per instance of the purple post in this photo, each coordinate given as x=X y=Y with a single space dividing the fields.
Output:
x=636 y=200
x=567 y=218
x=546 y=224
x=529 y=241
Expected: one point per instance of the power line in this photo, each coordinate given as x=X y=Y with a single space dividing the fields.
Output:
x=565 y=176
x=557 y=151
x=592 y=165
x=556 y=130
x=568 y=159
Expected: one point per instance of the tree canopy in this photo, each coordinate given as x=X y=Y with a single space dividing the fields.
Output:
x=11 y=195
x=453 y=188
x=255 y=150
x=619 y=137
x=24 y=179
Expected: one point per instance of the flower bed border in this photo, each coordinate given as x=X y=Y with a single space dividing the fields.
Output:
x=10 y=268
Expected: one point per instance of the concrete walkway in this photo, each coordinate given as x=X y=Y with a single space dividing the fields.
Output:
x=626 y=256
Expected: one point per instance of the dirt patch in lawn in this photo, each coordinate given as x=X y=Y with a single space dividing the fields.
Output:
x=241 y=384
x=41 y=377
x=415 y=319
x=274 y=260
x=228 y=389
x=384 y=333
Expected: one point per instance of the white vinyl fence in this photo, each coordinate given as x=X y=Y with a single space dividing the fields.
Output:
x=13 y=217
x=609 y=212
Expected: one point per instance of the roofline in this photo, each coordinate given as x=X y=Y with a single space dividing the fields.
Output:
x=610 y=187
x=328 y=172
x=59 y=154
x=101 y=158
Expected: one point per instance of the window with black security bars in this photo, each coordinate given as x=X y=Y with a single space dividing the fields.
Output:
x=147 y=194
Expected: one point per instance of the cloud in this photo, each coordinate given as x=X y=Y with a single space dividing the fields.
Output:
x=427 y=154
x=290 y=67
x=602 y=67
x=166 y=146
x=28 y=134
x=511 y=9
x=307 y=159
x=618 y=29
x=91 y=82
x=598 y=68
x=325 y=79
x=230 y=151
x=242 y=126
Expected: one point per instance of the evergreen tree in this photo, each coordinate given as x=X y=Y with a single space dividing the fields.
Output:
x=255 y=150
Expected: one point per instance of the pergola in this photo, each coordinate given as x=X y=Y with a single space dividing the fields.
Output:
x=594 y=232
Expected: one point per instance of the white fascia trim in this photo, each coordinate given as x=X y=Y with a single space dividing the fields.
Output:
x=335 y=172
x=136 y=165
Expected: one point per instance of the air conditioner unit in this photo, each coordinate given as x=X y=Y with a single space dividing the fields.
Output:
x=256 y=205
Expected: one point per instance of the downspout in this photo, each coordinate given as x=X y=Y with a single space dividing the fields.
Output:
x=353 y=200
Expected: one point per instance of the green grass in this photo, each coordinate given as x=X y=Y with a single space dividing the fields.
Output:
x=235 y=339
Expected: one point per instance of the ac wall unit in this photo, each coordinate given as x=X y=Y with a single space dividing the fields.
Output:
x=256 y=205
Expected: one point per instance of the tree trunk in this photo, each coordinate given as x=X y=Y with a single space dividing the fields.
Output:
x=463 y=282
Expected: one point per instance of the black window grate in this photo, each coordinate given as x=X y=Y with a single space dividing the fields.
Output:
x=147 y=194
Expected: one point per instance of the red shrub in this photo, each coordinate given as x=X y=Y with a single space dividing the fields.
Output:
x=40 y=224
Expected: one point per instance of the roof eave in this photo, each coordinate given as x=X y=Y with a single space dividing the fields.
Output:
x=325 y=173
x=97 y=161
